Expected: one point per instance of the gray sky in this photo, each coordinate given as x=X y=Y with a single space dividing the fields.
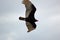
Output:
x=48 y=26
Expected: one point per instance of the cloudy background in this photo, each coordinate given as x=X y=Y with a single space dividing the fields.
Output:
x=48 y=26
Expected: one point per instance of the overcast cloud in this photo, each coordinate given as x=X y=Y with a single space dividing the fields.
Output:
x=48 y=26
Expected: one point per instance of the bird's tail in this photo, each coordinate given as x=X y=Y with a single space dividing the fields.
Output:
x=22 y=18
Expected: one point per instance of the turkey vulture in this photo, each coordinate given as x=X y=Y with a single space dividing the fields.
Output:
x=29 y=16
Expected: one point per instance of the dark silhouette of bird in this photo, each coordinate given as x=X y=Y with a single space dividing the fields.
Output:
x=29 y=16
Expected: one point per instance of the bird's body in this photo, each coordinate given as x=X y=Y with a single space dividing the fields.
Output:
x=29 y=16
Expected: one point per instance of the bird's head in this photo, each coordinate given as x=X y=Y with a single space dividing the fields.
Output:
x=36 y=21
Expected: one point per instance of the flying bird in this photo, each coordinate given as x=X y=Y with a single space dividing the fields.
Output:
x=29 y=16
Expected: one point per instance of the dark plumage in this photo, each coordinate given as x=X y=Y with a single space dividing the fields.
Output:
x=30 y=20
x=31 y=17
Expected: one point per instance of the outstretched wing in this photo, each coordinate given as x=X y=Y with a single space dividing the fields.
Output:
x=30 y=26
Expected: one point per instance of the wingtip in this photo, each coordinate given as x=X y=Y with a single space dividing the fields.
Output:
x=30 y=30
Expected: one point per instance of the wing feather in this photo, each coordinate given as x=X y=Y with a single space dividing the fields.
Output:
x=29 y=26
